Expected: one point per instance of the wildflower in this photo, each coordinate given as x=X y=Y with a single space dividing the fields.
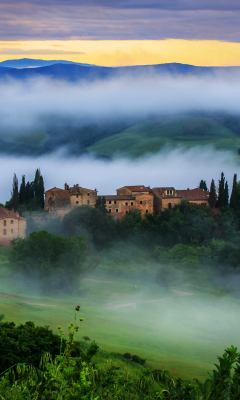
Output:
x=72 y=324
x=77 y=308
x=81 y=319
x=59 y=327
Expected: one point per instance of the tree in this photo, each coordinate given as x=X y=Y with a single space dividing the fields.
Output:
x=234 y=199
x=51 y=260
x=22 y=191
x=221 y=192
x=14 y=193
x=101 y=204
x=226 y=195
x=26 y=343
x=212 y=195
x=203 y=185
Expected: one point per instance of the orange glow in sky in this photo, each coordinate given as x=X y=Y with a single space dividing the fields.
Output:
x=126 y=52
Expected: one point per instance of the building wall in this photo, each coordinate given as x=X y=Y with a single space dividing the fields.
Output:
x=119 y=208
x=175 y=200
x=87 y=197
x=145 y=203
x=170 y=200
x=11 y=228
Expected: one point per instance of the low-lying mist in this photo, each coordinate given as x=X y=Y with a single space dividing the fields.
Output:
x=180 y=168
x=23 y=105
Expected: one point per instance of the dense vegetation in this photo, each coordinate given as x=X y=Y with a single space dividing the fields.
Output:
x=73 y=374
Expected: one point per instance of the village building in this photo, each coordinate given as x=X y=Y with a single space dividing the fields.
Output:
x=12 y=226
x=61 y=201
x=168 y=197
x=128 y=198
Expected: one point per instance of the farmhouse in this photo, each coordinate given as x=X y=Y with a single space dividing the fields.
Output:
x=168 y=197
x=129 y=198
x=11 y=226
x=61 y=201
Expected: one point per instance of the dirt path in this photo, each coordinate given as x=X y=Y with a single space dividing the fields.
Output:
x=15 y=298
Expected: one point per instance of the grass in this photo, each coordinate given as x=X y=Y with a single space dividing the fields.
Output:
x=183 y=334
x=151 y=136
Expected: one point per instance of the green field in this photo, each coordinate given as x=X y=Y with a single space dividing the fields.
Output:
x=179 y=332
x=151 y=136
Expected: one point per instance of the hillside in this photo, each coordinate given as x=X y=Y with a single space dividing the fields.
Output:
x=151 y=136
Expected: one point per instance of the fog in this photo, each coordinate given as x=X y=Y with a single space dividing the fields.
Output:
x=23 y=105
x=179 y=168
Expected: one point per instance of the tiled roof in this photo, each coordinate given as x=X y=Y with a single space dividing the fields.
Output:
x=5 y=213
x=138 y=188
x=118 y=197
x=193 y=194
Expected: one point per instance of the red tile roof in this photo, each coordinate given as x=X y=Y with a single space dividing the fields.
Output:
x=5 y=213
x=138 y=188
x=193 y=194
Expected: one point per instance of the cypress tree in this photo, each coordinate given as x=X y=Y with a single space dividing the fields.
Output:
x=221 y=196
x=234 y=199
x=22 y=191
x=203 y=185
x=212 y=195
x=15 y=193
x=226 y=195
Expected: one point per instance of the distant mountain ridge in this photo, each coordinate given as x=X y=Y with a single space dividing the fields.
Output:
x=73 y=72
x=35 y=63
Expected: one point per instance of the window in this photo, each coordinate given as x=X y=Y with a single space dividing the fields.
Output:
x=110 y=202
x=169 y=192
x=77 y=196
x=126 y=204
x=88 y=202
x=115 y=202
x=11 y=221
x=116 y=209
x=126 y=212
x=11 y=230
x=146 y=211
x=77 y=202
x=131 y=203
x=140 y=201
x=169 y=206
x=4 y=231
x=110 y=210
x=4 y=223
x=88 y=194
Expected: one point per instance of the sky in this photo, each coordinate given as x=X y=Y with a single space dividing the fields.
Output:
x=122 y=32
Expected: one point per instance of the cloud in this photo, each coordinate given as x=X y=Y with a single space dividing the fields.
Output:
x=120 y=20
x=13 y=51
x=136 y=4
x=24 y=104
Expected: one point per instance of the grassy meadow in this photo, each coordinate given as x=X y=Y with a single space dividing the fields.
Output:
x=182 y=330
x=150 y=136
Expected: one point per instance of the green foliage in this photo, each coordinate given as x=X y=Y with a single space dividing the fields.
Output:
x=93 y=223
x=212 y=195
x=14 y=193
x=51 y=260
x=203 y=185
x=25 y=343
x=235 y=198
x=72 y=375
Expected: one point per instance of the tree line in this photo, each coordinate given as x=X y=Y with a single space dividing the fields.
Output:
x=30 y=195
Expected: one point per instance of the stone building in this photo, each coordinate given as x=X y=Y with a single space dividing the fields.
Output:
x=168 y=197
x=61 y=201
x=11 y=226
x=129 y=198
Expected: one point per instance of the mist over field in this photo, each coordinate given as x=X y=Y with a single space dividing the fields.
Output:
x=180 y=168
x=24 y=104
